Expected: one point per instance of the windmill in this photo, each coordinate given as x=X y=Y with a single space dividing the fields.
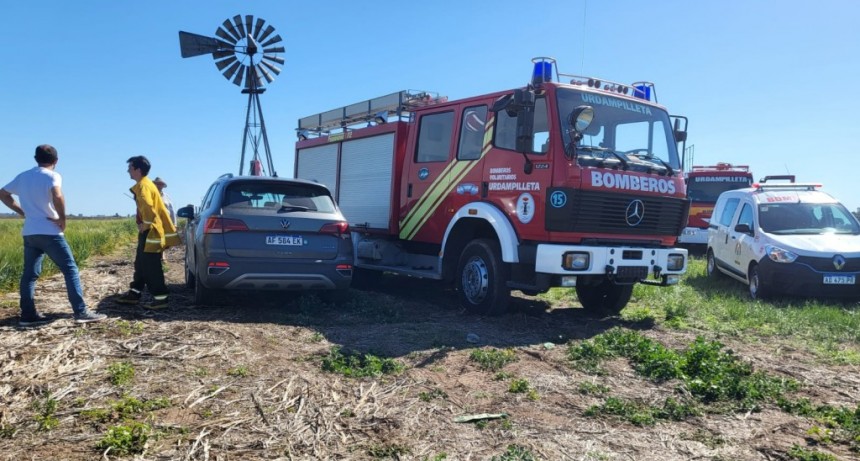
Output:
x=245 y=52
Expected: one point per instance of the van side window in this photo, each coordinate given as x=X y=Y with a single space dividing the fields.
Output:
x=729 y=211
x=746 y=216
x=434 y=137
x=472 y=133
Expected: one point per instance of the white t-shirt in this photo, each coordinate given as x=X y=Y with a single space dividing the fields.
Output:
x=33 y=188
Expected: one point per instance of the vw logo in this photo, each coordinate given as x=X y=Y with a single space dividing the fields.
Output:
x=839 y=262
x=635 y=212
x=285 y=224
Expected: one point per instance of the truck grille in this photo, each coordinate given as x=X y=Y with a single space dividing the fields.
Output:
x=602 y=212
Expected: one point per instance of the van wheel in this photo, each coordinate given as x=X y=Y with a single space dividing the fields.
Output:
x=482 y=277
x=758 y=290
x=605 y=298
x=711 y=267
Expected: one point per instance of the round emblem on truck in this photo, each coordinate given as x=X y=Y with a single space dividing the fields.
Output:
x=558 y=199
x=423 y=173
x=525 y=208
x=635 y=213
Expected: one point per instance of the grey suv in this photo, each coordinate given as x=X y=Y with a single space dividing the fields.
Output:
x=264 y=233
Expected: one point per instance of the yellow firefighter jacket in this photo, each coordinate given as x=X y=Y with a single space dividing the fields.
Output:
x=152 y=212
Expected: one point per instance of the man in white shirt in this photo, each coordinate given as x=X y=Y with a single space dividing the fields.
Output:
x=44 y=210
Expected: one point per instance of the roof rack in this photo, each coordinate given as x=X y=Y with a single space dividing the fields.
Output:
x=721 y=166
x=377 y=110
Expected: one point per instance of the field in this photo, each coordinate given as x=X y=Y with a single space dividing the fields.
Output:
x=690 y=372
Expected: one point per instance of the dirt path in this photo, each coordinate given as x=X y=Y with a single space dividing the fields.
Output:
x=244 y=381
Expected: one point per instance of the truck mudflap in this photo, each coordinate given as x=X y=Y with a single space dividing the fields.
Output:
x=622 y=264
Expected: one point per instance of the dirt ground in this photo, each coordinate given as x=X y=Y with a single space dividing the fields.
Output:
x=244 y=380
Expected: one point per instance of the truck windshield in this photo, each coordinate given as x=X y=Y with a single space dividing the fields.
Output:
x=639 y=133
x=807 y=218
x=706 y=189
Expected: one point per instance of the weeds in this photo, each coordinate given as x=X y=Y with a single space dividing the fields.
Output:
x=802 y=454
x=127 y=328
x=125 y=408
x=45 y=413
x=434 y=394
x=356 y=365
x=835 y=424
x=388 y=451
x=492 y=359
x=120 y=373
x=644 y=415
x=515 y=453
x=126 y=439
x=239 y=372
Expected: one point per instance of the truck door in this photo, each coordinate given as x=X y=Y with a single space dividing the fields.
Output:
x=424 y=188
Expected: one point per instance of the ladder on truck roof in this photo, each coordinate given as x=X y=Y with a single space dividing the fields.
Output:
x=377 y=110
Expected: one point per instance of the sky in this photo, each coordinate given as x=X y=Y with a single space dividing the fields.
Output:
x=767 y=84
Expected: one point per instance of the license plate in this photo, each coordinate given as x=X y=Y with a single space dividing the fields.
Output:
x=292 y=240
x=833 y=279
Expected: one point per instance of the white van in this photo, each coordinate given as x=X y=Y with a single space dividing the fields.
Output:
x=785 y=238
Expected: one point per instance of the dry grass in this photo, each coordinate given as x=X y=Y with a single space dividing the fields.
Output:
x=244 y=381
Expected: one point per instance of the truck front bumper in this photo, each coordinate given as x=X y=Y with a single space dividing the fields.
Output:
x=625 y=264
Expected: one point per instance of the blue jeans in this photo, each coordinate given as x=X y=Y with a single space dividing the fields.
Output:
x=55 y=246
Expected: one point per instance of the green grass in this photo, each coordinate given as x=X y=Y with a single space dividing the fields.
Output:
x=86 y=237
x=356 y=365
x=492 y=359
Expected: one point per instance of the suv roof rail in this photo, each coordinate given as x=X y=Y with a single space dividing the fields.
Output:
x=225 y=175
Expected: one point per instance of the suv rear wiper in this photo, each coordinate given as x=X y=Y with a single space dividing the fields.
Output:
x=291 y=208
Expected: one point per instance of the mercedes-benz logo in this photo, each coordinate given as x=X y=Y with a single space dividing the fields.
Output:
x=285 y=224
x=635 y=212
x=839 y=262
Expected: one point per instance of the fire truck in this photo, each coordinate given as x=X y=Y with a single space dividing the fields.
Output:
x=569 y=181
x=704 y=185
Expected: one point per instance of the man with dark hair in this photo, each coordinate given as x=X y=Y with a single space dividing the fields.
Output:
x=156 y=233
x=44 y=210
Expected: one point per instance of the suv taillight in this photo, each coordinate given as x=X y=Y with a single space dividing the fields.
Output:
x=216 y=225
x=336 y=228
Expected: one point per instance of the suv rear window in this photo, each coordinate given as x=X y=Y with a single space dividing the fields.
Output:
x=274 y=196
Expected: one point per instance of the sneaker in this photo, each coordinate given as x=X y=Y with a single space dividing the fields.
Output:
x=158 y=304
x=39 y=319
x=89 y=317
x=130 y=297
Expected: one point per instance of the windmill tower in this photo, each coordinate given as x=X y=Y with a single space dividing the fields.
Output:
x=245 y=52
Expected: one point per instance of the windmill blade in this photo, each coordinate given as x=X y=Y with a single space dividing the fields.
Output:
x=241 y=27
x=274 y=69
x=268 y=76
x=248 y=20
x=224 y=53
x=228 y=74
x=226 y=36
x=275 y=39
x=226 y=62
x=232 y=30
x=274 y=58
x=238 y=79
x=257 y=27
x=278 y=49
x=266 y=33
x=194 y=45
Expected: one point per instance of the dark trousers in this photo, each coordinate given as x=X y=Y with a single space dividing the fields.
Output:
x=147 y=270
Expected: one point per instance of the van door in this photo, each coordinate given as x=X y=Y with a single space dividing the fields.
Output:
x=744 y=242
x=723 y=250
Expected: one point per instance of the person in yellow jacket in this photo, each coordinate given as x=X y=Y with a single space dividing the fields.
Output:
x=156 y=233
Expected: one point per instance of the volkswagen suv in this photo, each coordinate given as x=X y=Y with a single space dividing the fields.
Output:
x=265 y=233
x=785 y=238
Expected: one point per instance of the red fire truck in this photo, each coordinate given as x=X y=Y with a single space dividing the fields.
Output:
x=704 y=185
x=568 y=182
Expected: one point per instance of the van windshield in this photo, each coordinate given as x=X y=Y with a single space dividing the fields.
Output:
x=807 y=218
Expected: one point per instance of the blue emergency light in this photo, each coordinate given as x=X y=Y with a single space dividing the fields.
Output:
x=643 y=92
x=542 y=70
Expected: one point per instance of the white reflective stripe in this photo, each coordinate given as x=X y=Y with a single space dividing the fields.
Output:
x=171 y=235
x=146 y=222
x=136 y=291
x=153 y=240
x=160 y=297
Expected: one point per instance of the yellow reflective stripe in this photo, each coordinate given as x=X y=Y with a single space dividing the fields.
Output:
x=423 y=210
x=411 y=215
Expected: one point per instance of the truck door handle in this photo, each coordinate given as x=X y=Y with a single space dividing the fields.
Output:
x=409 y=190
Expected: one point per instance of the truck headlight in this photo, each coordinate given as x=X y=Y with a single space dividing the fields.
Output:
x=575 y=261
x=779 y=255
x=675 y=262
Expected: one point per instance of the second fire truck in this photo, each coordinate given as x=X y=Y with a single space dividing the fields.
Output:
x=568 y=182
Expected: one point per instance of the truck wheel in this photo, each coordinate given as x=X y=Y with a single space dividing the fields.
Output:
x=189 y=277
x=757 y=289
x=482 y=277
x=711 y=267
x=605 y=298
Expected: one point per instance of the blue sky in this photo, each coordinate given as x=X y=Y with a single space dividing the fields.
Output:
x=766 y=84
